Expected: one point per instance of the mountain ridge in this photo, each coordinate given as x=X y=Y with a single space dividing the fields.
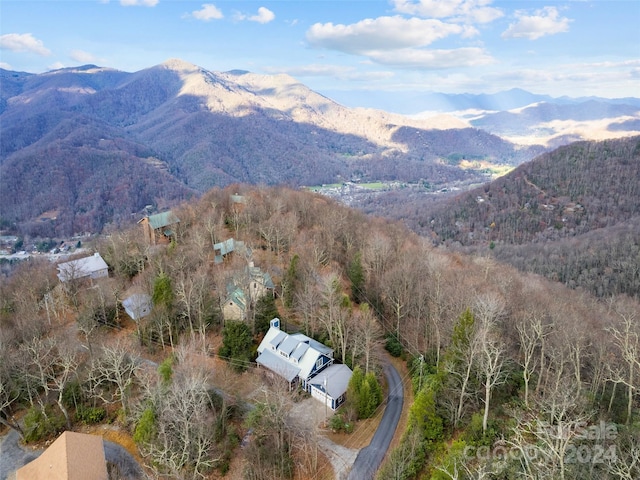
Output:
x=181 y=129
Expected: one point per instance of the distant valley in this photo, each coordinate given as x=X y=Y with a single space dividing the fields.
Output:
x=89 y=148
x=571 y=215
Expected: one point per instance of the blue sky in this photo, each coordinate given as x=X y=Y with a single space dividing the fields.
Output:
x=573 y=48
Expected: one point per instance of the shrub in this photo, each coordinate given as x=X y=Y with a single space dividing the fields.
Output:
x=90 y=415
x=337 y=423
x=393 y=346
x=146 y=427
x=39 y=425
x=72 y=394
x=165 y=370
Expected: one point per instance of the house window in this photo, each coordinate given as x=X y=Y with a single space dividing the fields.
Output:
x=319 y=362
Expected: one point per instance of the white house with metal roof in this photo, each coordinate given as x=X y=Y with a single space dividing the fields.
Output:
x=300 y=359
x=88 y=267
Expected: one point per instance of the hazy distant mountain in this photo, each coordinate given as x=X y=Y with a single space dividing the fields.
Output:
x=83 y=147
x=536 y=120
x=89 y=146
x=414 y=103
x=517 y=115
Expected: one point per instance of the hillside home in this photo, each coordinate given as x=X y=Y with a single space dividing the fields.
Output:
x=92 y=267
x=238 y=202
x=158 y=228
x=302 y=360
x=73 y=456
x=235 y=305
x=138 y=305
x=330 y=386
x=260 y=283
x=222 y=250
x=245 y=289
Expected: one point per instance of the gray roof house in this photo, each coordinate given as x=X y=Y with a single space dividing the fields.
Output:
x=300 y=359
x=330 y=386
x=222 y=249
x=88 y=267
x=138 y=305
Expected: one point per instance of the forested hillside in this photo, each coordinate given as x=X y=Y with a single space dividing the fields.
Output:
x=513 y=375
x=571 y=214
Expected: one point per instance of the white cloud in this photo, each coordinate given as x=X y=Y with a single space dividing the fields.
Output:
x=82 y=56
x=334 y=71
x=138 y=3
x=264 y=16
x=432 y=59
x=6 y=66
x=207 y=12
x=383 y=33
x=475 y=11
x=56 y=66
x=546 y=21
x=23 y=42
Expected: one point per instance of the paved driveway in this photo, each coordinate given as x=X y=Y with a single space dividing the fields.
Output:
x=13 y=456
x=369 y=459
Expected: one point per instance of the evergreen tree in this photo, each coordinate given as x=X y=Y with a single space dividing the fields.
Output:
x=162 y=291
x=266 y=311
x=291 y=281
x=237 y=345
x=356 y=277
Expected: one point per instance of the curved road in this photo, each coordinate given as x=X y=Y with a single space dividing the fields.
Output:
x=369 y=459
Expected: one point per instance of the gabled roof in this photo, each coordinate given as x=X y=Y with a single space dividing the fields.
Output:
x=164 y=219
x=226 y=247
x=278 y=364
x=261 y=277
x=73 y=456
x=138 y=305
x=237 y=297
x=82 y=267
x=336 y=377
x=277 y=340
x=321 y=347
x=297 y=350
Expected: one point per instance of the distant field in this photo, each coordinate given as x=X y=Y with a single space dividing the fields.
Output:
x=374 y=185
x=496 y=170
x=318 y=188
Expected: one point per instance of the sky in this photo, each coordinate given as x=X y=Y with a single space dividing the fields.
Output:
x=354 y=49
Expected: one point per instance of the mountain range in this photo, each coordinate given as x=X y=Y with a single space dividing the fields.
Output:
x=82 y=148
